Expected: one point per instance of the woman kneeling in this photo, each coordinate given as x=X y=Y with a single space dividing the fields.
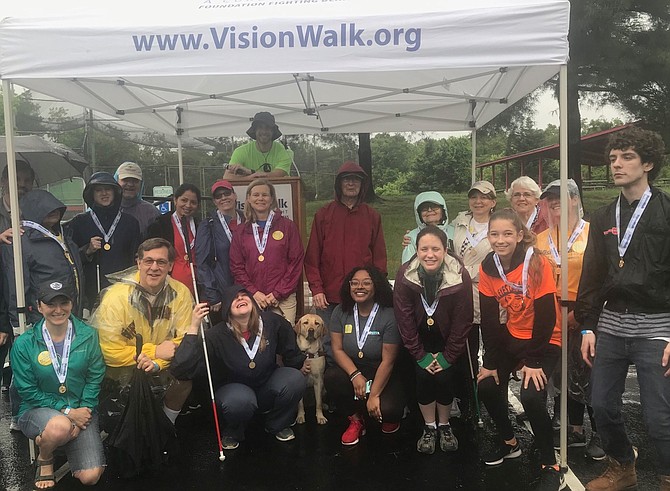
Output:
x=58 y=368
x=243 y=353
x=365 y=343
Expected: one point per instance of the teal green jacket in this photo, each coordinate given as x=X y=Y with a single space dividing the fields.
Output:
x=36 y=381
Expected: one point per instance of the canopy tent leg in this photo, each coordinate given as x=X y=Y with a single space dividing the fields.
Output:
x=474 y=154
x=563 y=139
x=8 y=93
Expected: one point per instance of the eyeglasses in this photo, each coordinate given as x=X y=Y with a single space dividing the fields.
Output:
x=357 y=283
x=429 y=207
x=222 y=193
x=148 y=262
x=525 y=195
x=482 y=197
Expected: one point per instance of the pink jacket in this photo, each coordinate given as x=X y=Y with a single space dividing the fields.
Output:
x=279 y=272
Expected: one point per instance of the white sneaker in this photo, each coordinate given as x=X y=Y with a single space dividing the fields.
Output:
x=455 y=410
x=14 y=426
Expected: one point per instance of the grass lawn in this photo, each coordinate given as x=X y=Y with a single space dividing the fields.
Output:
x=398 y=216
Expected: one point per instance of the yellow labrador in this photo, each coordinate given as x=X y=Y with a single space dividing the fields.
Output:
x=309 y=331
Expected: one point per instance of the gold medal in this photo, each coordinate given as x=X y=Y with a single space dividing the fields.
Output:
x=360 y=354
x=621 y=263
x=186 y=257
x=430 y=321
x=252 y=364
x=107 y=247
x=277 y=235
x=62 y=389
x=44 y=359
x=261 y=258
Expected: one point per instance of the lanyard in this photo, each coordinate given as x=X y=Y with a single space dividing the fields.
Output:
x=477 y=238
x=224 y=224
x=523 y=287
x=191 y=224
x=262 y=243
x=251 y=353
x=107 y=235
x=361 y=338
x=624 y=242
x=430 y=309
x=40 y=228
x=532 y=218
x=573 y=238
x=59 y=367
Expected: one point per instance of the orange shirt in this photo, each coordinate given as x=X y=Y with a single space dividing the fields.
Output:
x=181 y=270
x=520 y=309
x=575 y=258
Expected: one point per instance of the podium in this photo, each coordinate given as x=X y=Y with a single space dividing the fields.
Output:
x=291 y=200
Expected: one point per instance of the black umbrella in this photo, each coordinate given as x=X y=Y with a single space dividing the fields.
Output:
x=141 y=439
x=52 y=162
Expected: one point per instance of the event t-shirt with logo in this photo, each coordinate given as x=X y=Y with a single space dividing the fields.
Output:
x=520 y=309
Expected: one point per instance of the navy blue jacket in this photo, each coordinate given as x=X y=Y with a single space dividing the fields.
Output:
x=211 y=256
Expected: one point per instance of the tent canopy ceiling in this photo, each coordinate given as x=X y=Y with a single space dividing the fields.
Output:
x=206 y=66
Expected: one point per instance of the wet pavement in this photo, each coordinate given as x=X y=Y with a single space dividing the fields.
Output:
x=316 y=460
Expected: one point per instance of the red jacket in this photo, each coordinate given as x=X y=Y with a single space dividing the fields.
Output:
x=280 y=272
x=342 y=239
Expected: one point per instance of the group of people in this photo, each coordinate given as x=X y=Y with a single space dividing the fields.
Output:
x=488 y=271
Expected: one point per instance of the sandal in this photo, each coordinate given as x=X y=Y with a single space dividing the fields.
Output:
x=46 y=477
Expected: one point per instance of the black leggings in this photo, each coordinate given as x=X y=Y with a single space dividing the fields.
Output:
x=341 y=390
x=534 y=402
x=434 y=388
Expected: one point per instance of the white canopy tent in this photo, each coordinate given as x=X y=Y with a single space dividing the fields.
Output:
x=204 y=67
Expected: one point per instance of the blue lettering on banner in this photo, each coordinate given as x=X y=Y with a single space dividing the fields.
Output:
x=302 y=36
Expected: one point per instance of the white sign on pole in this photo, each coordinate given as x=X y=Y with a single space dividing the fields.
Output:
x=284 y=198
x=163 y=191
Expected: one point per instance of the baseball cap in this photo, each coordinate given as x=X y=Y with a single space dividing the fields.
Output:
x=52 y=289
x=483 y=187
x=129 y=169
x=222 y=183
x=554 y=187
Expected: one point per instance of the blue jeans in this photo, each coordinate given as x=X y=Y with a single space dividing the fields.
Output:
x=614 y=354
x=278 y=397
x=84 y=452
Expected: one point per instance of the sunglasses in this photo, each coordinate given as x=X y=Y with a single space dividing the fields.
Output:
x=222 y=193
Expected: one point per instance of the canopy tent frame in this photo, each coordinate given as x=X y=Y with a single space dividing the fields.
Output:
x=435 y=92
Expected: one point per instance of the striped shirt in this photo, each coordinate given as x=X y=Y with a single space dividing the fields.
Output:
x=635 y=325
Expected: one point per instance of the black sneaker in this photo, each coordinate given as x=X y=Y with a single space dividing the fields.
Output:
x=574 y=439
x=550 y=480
x=556 y=420
x=594 y=449
x=448 y=441
x=426 y=443
x=502 y=452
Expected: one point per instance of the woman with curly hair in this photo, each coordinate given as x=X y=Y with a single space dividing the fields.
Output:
x=365 y=345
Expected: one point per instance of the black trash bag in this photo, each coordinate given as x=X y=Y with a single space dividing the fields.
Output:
x=144 y=436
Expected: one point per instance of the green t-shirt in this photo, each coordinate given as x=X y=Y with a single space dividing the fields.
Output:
x=248 y=156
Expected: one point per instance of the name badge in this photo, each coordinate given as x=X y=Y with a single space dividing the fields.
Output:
x=348 y=328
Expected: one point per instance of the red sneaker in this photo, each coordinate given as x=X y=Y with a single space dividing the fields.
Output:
x=353 y=432
x=389 y=428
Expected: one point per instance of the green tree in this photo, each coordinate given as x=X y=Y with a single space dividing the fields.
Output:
x=27 y=119
x=442 y=165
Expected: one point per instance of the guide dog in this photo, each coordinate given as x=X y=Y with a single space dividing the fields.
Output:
x=310 y=331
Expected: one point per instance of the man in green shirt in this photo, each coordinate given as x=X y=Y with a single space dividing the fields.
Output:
x=263 y=156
